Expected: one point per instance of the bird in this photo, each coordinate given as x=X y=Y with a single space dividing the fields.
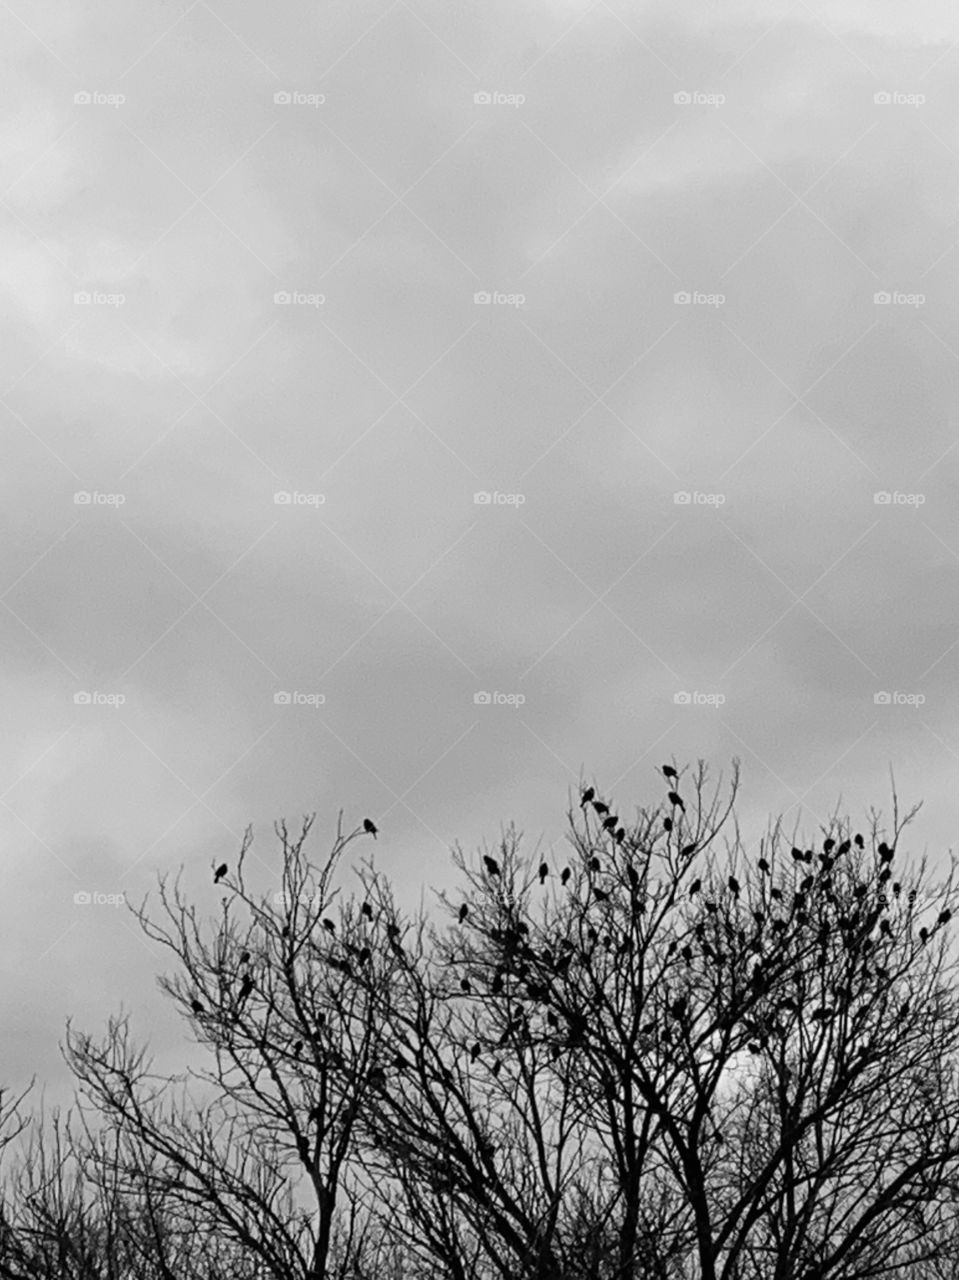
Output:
x=734 y=886
x=797 y=855
x=669 y=771
x=564 y=877
x=885 y=853
x=587 y=796
x=945 y=916
x=594 y=865
x=492 y=866
x=695 y=887
x=365 y=954
x=633 y=876
x=220 y=872
x=923 y=934
x=600 y=895
x=763 y=865
x=619 y=835
x=474 y=1052
x=245 y=957
x=328 y=925
x=246 y=986
x=466 y=986
x=600 y=807
x=464 y=912
x=543 y=872
x=675 y=798
x=845 y=846
x=667 y=824
x=197 y=1007
x=609 y=824
x=297 y=1048
x=367 y=910
x=828 y=846
x=370 y=828
x=858 y=841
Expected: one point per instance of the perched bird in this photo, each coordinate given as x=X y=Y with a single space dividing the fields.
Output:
x=763 y=865
x=594 y=864
x=667 y=824
x=633 y=876
x=885 y=853
x=464 y=912
x=923 y=934
x=466 y=986
x=844 y=847
x=369 y=828
x=600 y=896
x=600 y=807
x=797 y=855
x=675 y=798
x=806 y=884
x=245 y=957
x=297 y=1048
x=543 y=872
x=492 y=866
x=474 y=1052
x=896 y=888
x=687 y=849
x=367 y=910
x=220 y=872
x=619 y=835
x=734 y=886
x=587 y=796
x=246 y=986
x=197 y=1007
x=564 y=878
x=945 y=916
x=364 y=956
x=669 y=771
x=328 y=925
x=687 y=954
x=609 y=824
x=695 y=887
x=828 y=846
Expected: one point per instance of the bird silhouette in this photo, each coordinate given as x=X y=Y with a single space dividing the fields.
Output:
x=492 y=866
x=763 y=865
x=734 y=886
x=466 y=986
x=858 y=841
x=695 y=887
x=367 y=910
x=594 y=864
x=220 y=872
x=797 y=855
x=600 y=895
x=246 y=986
x=828 y=846
x=474 y=1052
x=885 y=853
x=197 y=1007
x=543 y=872
x=365 y=954
x=845 y=846
x=600 y=807
x=619 y=835
x=245 y=957
x=297 y=1048
x=923 y=934
x=609 y=823
x=633 y=876
x=675 y=798
x=564 y=877
x=464 y=912
x=587 y=796
x=328 y=925
x=369 y=828
x=669 y=771
x=667 y=824
x=945 y=916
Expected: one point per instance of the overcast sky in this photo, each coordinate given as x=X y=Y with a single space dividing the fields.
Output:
x=680 y=215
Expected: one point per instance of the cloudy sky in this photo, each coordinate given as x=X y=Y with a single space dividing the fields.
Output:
x=415 y=408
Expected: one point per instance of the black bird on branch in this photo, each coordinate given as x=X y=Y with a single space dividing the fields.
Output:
x=246 y=986
x=669 y=771
x=197 y=1007
x=328 y=925
x=734 y=886
x=587 y=796
x=543 y=872
x=564 y=877
x=609 y=824
x=369 y=828
x=492 y=866
x=594 y=865
x=245 y=957
x=695 y=887
x=763 y=865
x=797 y=855
x=676 y=799
x=464 y=912
x=600 y=807
x=619 y=835
x=667 y=824
x=367 y=910
x=220 y=872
